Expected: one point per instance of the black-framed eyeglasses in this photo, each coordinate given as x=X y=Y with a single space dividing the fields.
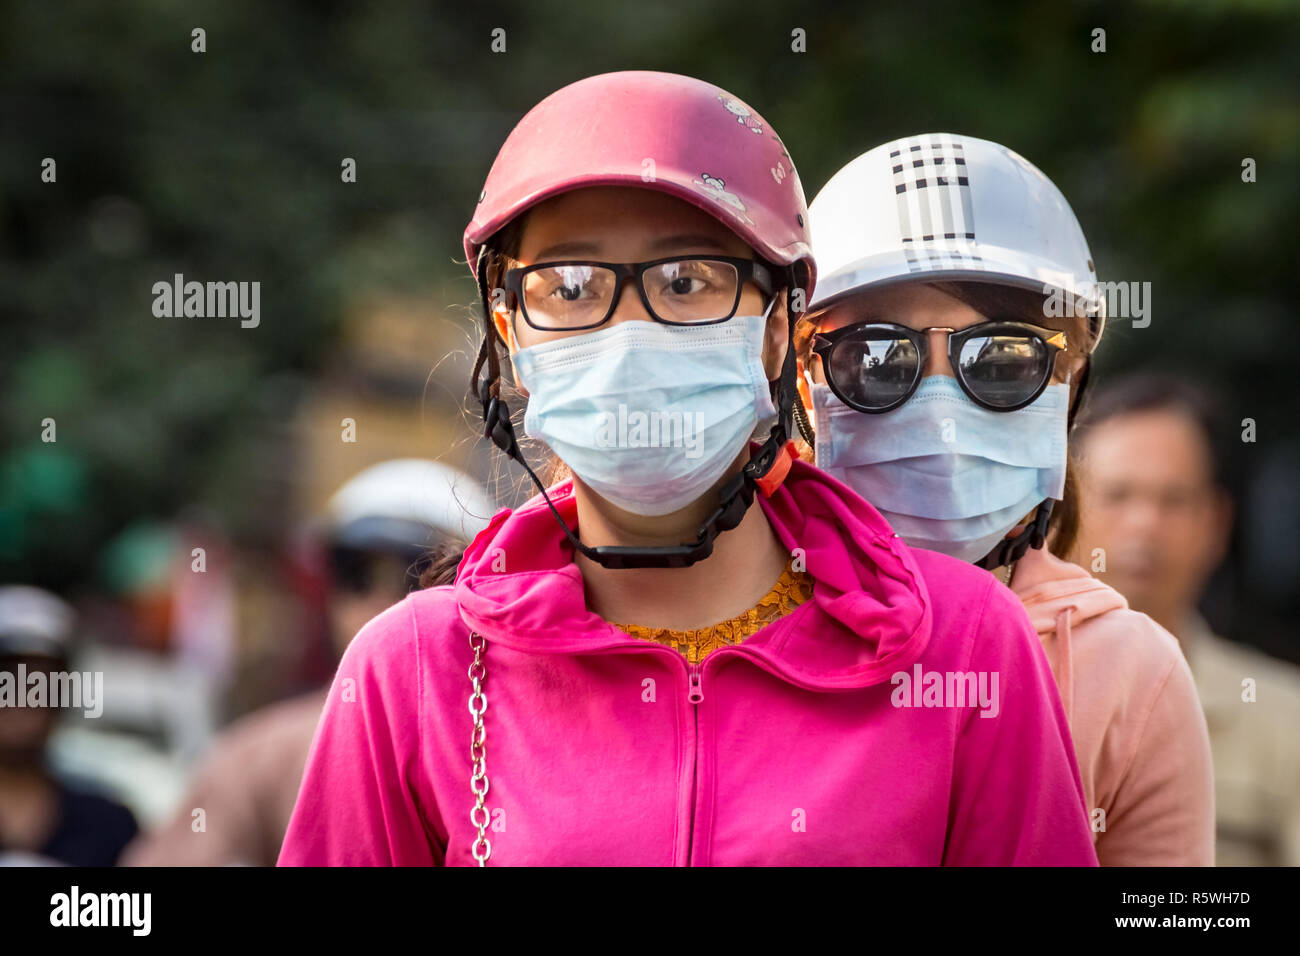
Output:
x=576 y=294
x=876 y=366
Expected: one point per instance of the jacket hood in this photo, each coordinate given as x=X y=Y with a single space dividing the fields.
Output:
x=870 y=614
x=1046 y=586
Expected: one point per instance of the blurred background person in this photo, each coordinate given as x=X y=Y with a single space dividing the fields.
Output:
x=383 y=528
x=1157 y=516
x=45 y=816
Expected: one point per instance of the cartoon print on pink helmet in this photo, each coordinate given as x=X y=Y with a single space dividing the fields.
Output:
x=716 y=188
x=744 y=115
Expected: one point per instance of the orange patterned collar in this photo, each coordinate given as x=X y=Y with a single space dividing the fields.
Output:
x=791 y=589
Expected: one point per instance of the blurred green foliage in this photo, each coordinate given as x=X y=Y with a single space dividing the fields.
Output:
x=225 y=165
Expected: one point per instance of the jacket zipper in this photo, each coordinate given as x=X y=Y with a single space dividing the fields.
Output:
x=694 y=694
x=695 y=691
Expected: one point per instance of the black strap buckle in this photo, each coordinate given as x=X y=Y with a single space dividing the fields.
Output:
x=498 y=427
x=1010 y=550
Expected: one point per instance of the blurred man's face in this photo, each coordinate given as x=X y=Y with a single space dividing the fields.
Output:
x=1150 y=504
x=25 y=730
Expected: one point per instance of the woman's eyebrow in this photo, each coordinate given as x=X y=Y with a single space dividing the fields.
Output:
x=687 y=239
x=577 y=247
x=830 y=322
x=570 y=248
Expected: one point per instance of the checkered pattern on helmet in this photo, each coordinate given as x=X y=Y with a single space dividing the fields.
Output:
x=935 y=217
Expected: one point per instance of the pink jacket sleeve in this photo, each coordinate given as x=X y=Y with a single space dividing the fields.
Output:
x=357 y=804
x=1017 y=797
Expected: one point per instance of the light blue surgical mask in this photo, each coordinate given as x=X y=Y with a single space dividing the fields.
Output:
x=648 y=415
x=947 y=474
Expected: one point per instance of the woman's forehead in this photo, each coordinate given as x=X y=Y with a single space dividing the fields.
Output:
x=622 y=223
x=911 y=304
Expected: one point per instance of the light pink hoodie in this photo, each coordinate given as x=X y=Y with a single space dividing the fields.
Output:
x=785 y=749
x=1137 y=723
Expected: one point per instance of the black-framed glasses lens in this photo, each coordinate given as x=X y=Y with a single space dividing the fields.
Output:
x=686 y=291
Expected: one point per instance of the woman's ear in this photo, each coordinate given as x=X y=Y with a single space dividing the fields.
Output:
x=1074 y=367
x=501 y=319
x=1082 y=362
x=777 y=338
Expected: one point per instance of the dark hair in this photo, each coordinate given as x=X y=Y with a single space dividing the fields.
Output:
x=498 y=250
x=1160 y=391
x=444 y=559
x=1003 y=302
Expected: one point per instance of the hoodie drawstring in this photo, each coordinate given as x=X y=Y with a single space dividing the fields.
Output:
x=1065 y=663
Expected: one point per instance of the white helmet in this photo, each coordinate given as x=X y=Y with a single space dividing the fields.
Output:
x=944 y=207
x=393 y=500
x=36 y=622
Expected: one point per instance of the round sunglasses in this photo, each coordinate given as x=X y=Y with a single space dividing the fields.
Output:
x=876 y=366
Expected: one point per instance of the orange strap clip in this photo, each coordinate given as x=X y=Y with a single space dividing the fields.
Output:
x=780 y=468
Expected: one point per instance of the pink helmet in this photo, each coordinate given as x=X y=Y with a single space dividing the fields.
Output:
x=660 y=131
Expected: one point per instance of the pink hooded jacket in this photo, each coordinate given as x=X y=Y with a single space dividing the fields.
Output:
x=794 y=747
x=1136 y=720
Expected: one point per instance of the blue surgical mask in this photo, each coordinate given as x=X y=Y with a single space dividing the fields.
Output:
x=947 y=474
x=648 y=415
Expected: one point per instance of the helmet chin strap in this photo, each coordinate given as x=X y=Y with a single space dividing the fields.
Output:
x=804 y=425
x=1009 y=550
x=764 y=471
